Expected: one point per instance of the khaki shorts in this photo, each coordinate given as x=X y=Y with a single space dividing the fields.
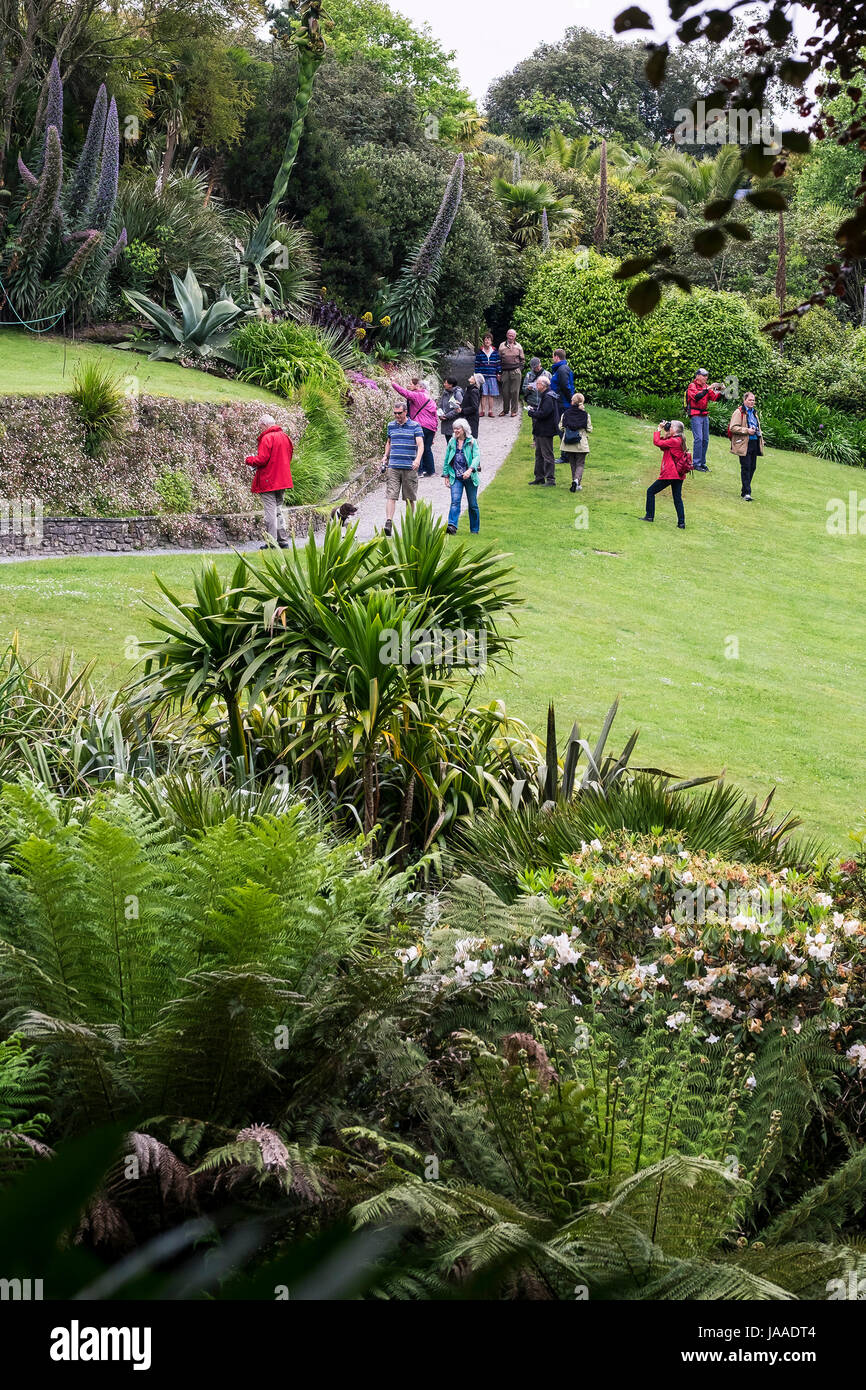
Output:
x=401 y=482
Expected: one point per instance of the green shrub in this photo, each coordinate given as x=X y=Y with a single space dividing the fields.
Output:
x=141 y=265
x=175 y=489
x=285 y=356
x=101 y=404
x=574 y=303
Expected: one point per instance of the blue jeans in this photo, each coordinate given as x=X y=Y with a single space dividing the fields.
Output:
x=701 y=432
x=457 y=486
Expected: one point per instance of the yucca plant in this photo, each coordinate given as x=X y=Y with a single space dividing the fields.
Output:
x=202 y=330
x=191 y=664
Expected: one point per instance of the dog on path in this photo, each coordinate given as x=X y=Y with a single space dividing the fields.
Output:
x=343 y=512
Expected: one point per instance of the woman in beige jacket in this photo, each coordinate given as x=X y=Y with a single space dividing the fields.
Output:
x=747 y=443
x=575 y=426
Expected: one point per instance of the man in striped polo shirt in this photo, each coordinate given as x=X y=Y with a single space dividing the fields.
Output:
x=401 y=462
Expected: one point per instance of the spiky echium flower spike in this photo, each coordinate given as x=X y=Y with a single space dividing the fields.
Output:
x=433 y=244
x=80 y=191
x=30 y=179
x=89 y=243
x=53 y=107
x=545 y=231
x=117 y=247
x=33 y=231
x=515 y=167
x=106 y=192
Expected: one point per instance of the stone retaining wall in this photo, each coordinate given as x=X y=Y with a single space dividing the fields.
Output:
x=27 y=534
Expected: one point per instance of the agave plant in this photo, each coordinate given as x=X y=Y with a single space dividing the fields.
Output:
x=201 y=331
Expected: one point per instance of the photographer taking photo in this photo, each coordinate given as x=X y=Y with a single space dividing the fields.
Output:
x=676 y=463
x=696 y=401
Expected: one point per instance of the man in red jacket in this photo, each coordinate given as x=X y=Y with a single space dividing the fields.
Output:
x=698 y=396
x=272 y=476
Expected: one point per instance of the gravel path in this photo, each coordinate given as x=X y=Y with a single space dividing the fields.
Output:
x=495 y=438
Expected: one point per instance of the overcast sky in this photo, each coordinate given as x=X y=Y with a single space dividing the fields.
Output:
x=489 y=39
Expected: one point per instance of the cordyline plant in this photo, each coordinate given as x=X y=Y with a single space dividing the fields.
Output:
x=410 y=302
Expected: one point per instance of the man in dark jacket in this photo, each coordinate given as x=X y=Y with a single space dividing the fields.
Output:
x=561 y=380
x=450 y=406
x=545 y=422
x=273 y=476
x=472 y=402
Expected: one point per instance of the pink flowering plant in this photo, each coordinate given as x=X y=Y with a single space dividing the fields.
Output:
x=169 y=450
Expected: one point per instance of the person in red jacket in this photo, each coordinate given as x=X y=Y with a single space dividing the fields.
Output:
x=698 y=396
x=273 y=475
x=676 y=463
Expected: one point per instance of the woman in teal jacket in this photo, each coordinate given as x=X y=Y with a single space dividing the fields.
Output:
x=460 y=472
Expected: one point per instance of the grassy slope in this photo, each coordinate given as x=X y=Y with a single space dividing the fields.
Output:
x=649 y=622
x=31 y=366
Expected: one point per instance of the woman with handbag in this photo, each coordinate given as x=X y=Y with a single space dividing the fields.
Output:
x=747 y=443
x=488 y=364
x=460 y=471
x=574 y=426
x=421 y=409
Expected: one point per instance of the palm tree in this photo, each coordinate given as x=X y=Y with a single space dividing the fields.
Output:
x=600 y=233
x=525 y=201
x=692 y=182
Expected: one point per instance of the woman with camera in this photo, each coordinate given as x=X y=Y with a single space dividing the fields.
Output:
x=676 y=463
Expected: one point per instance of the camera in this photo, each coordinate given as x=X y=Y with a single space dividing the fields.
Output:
x=666 y=424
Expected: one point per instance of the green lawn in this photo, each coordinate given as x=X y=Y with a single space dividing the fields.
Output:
x=649 y=613
x=646 y=612
x=41 y=366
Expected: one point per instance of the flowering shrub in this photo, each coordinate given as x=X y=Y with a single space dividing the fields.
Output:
x=642 y=923
x=170 y=452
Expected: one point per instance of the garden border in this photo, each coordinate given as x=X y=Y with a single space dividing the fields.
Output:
x=70 y=535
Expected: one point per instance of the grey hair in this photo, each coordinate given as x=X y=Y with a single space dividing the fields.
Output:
x=478 y=378
x=535 y=363
x=463 y=425
x=265 y=420
x=677 y=427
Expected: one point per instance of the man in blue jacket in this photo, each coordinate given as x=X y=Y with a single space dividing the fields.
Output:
x=561 y=380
